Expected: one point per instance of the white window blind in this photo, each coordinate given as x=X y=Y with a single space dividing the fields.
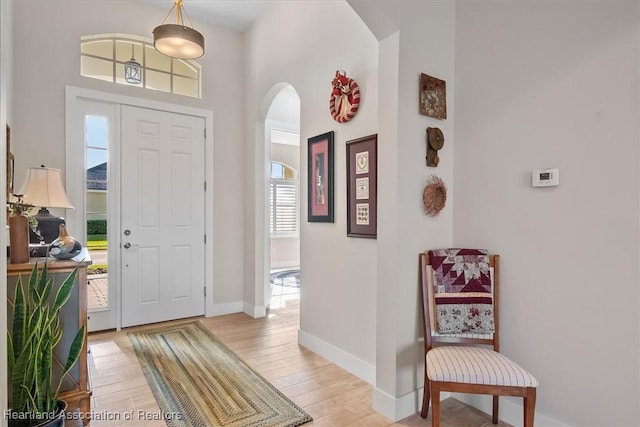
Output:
x=283 y=207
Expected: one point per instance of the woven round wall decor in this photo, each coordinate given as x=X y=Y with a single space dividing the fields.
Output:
x=434 y=196
x=345 y=97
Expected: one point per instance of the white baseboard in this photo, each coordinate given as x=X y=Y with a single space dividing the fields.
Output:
x=510 y=411
x=237 y=307
x=225 y=308
x=253 y=310
x=398 y=408
x=358 y=367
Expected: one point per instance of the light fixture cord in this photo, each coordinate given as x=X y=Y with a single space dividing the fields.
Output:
x=180 y=10
x=170 y=10
x=184 y=11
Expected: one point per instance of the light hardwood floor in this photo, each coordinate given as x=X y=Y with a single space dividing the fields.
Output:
x=332 y=396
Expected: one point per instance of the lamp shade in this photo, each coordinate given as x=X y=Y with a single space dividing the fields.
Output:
x=43 y=187
x=178 y=41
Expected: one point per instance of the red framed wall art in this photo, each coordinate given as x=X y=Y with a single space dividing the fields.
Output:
x=320 y=178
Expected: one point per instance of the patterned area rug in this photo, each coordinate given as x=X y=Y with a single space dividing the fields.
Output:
x=197 y=381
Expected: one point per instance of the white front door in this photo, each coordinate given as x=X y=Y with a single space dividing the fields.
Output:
x=162 y=215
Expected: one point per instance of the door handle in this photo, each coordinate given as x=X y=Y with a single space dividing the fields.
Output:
x=127 y=245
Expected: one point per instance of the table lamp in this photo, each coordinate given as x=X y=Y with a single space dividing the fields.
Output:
x=43 y=188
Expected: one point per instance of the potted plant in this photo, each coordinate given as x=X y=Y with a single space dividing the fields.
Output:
x=36 y=331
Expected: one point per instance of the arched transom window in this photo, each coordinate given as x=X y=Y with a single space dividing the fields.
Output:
x=103 y=57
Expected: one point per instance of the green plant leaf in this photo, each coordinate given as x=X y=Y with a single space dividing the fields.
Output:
x=32 y=285
x=11 y=357
x=65 y=291
x=20 y=380
x=74 y=354
x=42 y=279
x=38 y=372
x=46 y=366
x=30 y=402
x=19 y=319
x=44 y=295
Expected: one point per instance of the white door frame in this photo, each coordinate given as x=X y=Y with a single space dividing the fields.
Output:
x=75 y=171
x=102 y=319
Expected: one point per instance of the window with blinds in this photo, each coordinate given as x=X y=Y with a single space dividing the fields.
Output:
x=283 y=196
x=283 y=213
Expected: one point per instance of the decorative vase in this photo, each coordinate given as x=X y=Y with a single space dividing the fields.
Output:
x=65 y=246
x=19 y=239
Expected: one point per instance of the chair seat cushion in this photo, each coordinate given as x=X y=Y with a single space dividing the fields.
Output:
x=475 y=365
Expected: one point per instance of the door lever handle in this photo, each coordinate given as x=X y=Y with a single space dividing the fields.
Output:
x=127 y=245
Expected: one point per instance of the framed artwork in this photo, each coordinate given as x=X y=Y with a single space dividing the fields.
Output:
x=10 y=164
x=320 y=178
x=362 y=185
x=433 y=97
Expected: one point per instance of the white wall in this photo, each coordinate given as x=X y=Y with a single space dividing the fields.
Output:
x=415 y=37
x=6 y=92
x=370 y=287
x=555 y=84
x=339 y=275
x=47 y=57
x=425 y=46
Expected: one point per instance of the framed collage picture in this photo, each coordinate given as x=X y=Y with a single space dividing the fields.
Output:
x=320 y=178
x=362 y=184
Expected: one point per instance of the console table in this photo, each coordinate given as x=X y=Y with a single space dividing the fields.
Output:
x=76 y=386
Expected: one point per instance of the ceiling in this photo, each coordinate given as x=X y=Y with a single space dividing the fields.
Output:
x=232 y=14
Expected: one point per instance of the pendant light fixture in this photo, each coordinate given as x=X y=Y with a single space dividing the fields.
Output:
x=178 y=40
x=132 y=70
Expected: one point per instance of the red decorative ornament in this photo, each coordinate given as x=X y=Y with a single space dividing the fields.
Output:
x=345 y=97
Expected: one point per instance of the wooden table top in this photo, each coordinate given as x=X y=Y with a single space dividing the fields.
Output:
x=83 y=258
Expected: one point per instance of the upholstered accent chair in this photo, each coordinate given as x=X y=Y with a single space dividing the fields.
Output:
x=462 y=345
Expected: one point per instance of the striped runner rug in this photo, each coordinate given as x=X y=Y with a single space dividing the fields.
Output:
x=198 y=381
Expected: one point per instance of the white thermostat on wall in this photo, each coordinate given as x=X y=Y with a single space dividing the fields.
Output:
x=545 y=178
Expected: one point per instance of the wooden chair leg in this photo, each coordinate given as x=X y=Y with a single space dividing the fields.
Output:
x=426 y=396
x=435 y=404
x=529 y=407
x=494 y=418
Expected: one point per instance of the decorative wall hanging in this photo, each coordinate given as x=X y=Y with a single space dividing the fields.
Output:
x=433 y=97
x=435 y=141
x=434 y=196
x=320 y=178
x=362 y=184
x=345 y=97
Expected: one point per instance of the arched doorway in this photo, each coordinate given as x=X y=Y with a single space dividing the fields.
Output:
x=282 y=149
